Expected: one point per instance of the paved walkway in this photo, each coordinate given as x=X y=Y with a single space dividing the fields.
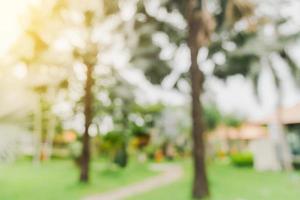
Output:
x=170 y=174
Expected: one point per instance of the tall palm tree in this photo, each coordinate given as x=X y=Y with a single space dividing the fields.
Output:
x=201 y=25
x=255 y=54
x=89 y=57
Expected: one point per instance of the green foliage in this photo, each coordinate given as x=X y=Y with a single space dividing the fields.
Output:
x=150 y=150
x=137 y=130
x=252 y=46
x=157 y=71
x=114 y=144
x=294 y=67
x=254 y=52
x=232 y=121
x=148 y=109
x=226 y=13
x=236 y=65
x=212 y=117
x=145 y=54
x=244 y=159
x=113 y=140
x=121 y=157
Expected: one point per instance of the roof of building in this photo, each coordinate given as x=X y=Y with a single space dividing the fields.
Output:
x=289 y=115
x=244 y=132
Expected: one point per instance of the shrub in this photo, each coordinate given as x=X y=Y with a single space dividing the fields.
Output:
x=244 y=159
x=150 y=151
x=114 y=144
x=75 y=152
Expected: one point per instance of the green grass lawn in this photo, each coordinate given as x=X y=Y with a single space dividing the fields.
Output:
x=230 y=183
x=58 y=180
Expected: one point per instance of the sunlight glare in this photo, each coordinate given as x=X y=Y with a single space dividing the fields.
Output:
x=20 y=71
x=10 y=12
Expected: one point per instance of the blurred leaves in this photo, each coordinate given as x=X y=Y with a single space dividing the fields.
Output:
x=237 y=10
x=110 y=7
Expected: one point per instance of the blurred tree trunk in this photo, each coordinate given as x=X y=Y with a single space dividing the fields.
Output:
x=38 y=128
x=200 y=183
x=282 y=147
x=200 y=187
x=125 y=142
x=51 y=123
x=88 y=99
x=50 y=135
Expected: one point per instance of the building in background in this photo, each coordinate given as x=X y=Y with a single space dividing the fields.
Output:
x=290 y=119
x=227 y=140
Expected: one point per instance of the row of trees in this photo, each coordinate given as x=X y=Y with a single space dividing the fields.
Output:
x=65 y=42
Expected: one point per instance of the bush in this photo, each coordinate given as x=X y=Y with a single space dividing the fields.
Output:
x=242 y=159
x=75 y=152
x=114 y=144
x=150 y=150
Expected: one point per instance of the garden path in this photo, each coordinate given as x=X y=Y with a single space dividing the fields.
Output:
x=170 y=173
